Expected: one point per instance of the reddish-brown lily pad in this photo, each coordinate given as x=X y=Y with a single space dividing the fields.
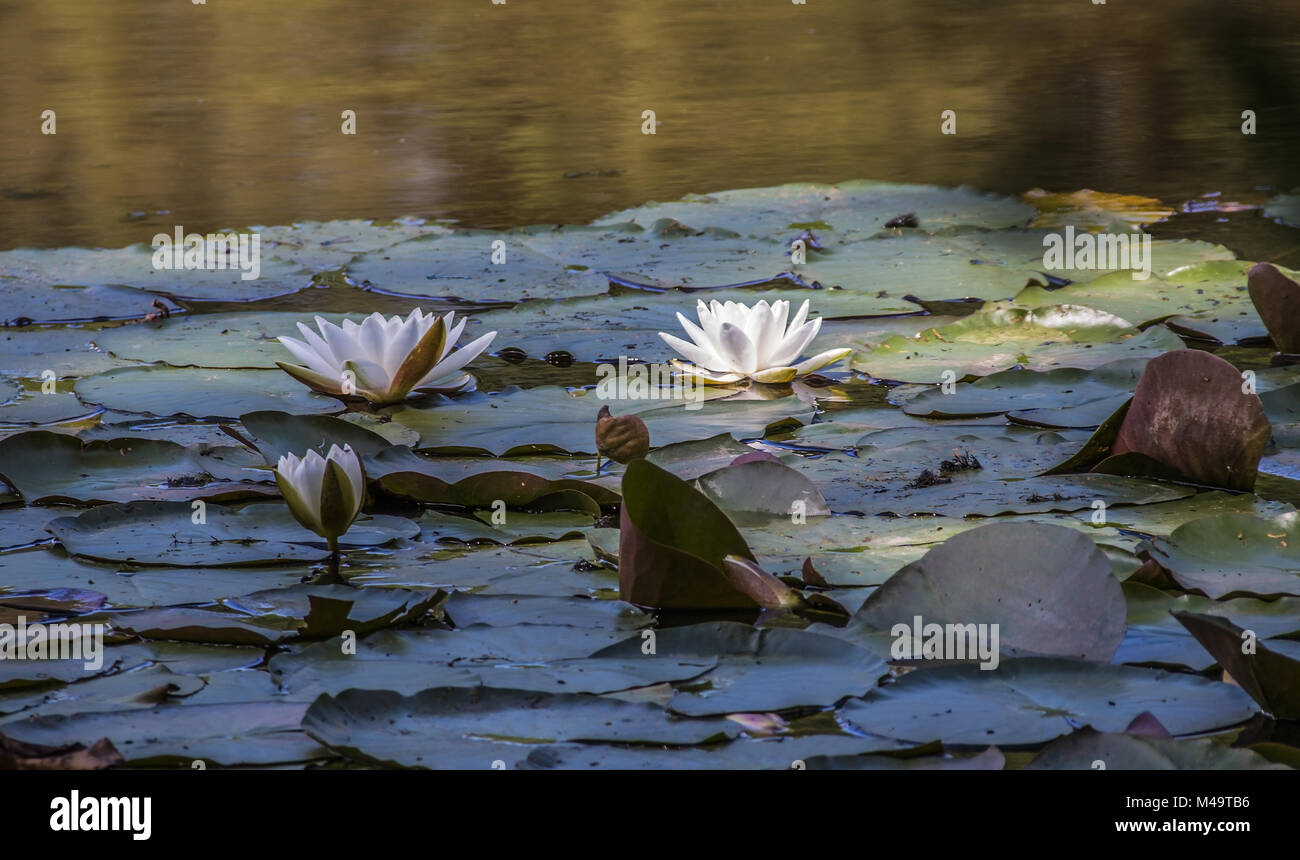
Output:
x=1272 y=679
x=672 y=545
x=1192 y=413
x=1277 y=299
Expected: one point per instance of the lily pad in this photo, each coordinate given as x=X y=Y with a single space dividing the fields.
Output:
x=213 y=394
x=1218 y=286
x=1272 y=679
x=51 y=467
x=850 y=210
x=561 y=421
x=763 y=487
x=758 y=670
x=1028 y=395
x=1192 y=413
x=1231 y=554
x=1048 y=589
x=1036 y=699
x=1118 y=751
x=1004 y=337
x=165 y=533
x=387 y=728
x=247 y=733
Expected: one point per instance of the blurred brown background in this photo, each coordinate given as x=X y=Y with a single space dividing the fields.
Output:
x=228 y=114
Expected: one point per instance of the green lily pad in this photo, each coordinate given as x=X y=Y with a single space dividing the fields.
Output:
x=1028 y=395
x=215 y=394
x=29 y=352
x=519 y=527
x=1048 y=589
x=758 y=670
x=1117 y=751
x=763 y=487
x=850 y=210
x=164 y=533
x=557 y=569
x=1163 y=518
x=779 y=753
x=460 y=265
x=51 y=467
x=561 y=421
x=238 y=340
x=133 y=266
x=1004 y=337
x=1218 y=286
x=279 y=433
x=1230 y=554
x=183 y=624
x=246 y=733
x=387 y=728
x=1036 y=699
x=985 y=498
x=957 y=452
x=480 y=482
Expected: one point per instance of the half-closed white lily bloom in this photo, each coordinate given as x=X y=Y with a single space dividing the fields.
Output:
x=734 y=342
x=383 y=360
x=324 y=494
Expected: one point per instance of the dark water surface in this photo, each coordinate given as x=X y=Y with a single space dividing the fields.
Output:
x=228 y=113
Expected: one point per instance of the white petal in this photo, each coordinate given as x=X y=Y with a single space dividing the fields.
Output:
x=703 y=357
x=822 y=359
x=351 y=463
x=795 y=342
x=308 y=356
x=737 y=349
x=322 y=348
x=458 y=359
x=697 y=334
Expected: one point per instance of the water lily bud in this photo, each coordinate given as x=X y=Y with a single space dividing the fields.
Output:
x=324 y=494
x=623 y=438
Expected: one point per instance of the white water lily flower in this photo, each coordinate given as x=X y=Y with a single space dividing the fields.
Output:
x=734 y=342
x=383 y=360
x=324 y=494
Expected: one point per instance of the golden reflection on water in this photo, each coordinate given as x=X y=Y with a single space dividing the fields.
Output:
x=228 y=113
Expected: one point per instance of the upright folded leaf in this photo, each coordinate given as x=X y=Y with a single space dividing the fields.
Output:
x=672 y=543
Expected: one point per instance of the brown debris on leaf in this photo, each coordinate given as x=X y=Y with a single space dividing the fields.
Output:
x=18 y=755
x=927 y=479
x=1192 y=414
x=1277 y=299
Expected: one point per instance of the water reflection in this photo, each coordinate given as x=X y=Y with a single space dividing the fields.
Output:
x=228 y=113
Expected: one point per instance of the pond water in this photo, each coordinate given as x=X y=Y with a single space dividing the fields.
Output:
x=229 y=113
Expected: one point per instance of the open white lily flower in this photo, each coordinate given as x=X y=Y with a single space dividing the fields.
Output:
x=383 y=360
x=734 y=342
x=324 y=494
